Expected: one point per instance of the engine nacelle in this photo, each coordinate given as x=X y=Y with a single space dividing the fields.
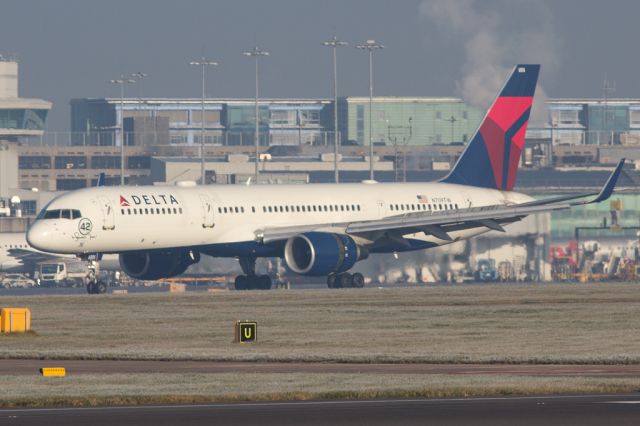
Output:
x=154 y=265
x=321 y=253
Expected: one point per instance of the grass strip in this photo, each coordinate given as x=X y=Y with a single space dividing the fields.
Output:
x=135 y=389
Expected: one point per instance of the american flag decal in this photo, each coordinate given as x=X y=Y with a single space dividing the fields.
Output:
x=422 y=199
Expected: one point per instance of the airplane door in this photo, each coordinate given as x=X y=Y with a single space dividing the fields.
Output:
x=382 y=211
x=108 y=214
x=208 y=219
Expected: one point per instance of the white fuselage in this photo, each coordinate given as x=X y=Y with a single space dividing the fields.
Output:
x=120 y=219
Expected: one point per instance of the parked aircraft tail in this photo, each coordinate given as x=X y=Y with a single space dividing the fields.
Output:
x=491 y=158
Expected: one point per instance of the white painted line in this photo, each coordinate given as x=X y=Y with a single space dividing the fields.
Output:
x=620 y=402
x=311 y=403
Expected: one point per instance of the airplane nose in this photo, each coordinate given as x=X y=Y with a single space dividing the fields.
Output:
x=39 y=236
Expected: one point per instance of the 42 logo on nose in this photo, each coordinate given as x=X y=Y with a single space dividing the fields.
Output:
x=85 y=226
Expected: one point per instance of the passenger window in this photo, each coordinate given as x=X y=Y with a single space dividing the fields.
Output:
x=253 y=209
x=121 y=211
x=456 y=205
x=180 y=210
x=237 y=210
x=169 y=211
x=129 y=212
x=439 y=206
x=219 y=209
x=241 y=209
x=225 y=209
x=163 y=212
x=286 y=208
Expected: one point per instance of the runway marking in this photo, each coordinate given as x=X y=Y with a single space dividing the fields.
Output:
x=313 y=403
x=620 y=402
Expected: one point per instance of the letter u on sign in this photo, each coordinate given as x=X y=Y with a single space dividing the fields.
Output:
x=248 y=331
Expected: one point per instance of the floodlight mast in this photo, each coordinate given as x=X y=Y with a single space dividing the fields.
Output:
x=370 y=45
x=202 y=63
x=256 y=53
x=335 y=43
x=122 y=81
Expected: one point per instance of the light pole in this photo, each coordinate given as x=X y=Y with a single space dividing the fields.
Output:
x=256 y=53
x=370 y=45
x=202 y=63
x=335 y=43
x=122 y=81
x=138 y=76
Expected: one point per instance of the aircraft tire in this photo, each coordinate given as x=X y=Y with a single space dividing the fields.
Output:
x=264 y=282
x=241 y=282
x=101 y=287
x=357 y=280
x=344 y=280
x=331 y=281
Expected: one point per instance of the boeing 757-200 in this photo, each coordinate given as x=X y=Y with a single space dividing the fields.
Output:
x=319 y=229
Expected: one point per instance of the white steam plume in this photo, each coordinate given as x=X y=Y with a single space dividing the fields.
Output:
x=493 y=44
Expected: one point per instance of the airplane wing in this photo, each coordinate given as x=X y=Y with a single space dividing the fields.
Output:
x=439 y=224
x=31 y=258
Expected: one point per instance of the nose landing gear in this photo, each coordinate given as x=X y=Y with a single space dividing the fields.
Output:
x=251 y=281
x=94 y=285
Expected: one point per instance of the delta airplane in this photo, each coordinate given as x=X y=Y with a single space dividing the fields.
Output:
x=319 y=229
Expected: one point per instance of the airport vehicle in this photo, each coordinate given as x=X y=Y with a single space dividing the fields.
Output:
x=486 y=271
x=319 y=229
x=67 y=274
x=17 y=280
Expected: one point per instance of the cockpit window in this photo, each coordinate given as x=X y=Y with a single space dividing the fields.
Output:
x=60 y=214
x=51 y=214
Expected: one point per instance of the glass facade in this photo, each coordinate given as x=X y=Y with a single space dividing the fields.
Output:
x=416 y=121
x=31 y=119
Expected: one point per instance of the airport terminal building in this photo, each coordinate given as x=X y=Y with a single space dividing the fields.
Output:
x=282 y=122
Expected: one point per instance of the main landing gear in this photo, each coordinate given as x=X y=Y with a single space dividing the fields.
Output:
x=345 y=280
x=251 y=281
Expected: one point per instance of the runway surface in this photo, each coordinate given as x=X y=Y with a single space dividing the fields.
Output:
x=554 y=410
x=31 y=366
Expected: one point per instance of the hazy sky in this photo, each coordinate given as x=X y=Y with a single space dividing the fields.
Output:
x=71 y=48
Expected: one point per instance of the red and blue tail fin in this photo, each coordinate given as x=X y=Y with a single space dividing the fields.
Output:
x=491 y=159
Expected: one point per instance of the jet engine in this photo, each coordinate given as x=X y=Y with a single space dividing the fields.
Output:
x=320 y=253
x=153 y=265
